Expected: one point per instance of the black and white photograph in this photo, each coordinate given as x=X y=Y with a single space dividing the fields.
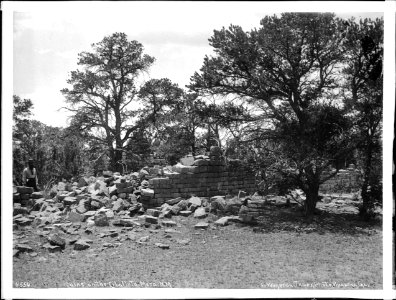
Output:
x=165 y=146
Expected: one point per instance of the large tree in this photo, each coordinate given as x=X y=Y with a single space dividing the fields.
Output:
x=103 y=91
x=289 y=71
x=364 y=96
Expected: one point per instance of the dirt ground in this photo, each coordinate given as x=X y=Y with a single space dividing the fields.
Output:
x=335 y=251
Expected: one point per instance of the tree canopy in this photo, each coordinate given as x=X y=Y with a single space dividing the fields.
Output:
x=102 y=92
x=290 y=72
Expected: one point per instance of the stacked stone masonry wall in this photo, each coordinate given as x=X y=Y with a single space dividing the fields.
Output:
x=345 y=181
x=206 y=180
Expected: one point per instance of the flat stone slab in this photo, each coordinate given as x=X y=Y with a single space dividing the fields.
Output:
x=151 y=219
x=24 y=248
x=90 y=213
x=222 y=221
x=183 y=242
x=185 y=213
x=24 y=190
x=169 y=223
x=52 y=248
x=174 y=201
x=201 y=225
x=23 y=221
x=69 y=200
x=126 y=223
x=81 y=245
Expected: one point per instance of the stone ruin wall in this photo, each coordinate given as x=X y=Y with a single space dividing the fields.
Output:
x=206 y=179
x=346 y=181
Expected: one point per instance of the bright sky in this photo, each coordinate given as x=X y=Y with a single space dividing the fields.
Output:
x=47 y=41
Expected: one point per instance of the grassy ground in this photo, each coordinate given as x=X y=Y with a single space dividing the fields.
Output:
x=279 y=252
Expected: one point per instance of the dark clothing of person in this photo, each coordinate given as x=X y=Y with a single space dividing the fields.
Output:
x=31 y=182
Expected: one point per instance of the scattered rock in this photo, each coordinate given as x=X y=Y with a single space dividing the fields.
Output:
x=73 y=240
x=144 y=239
x=126 y=223
x=52 y=248
x=169 y=223
x=23 y=221
x=24 y=190
x=195 y=201
x=182 y=205
x=174 y=201
x=147 y=194
x=69 y=200
x=24 y=248
x=20 y=210
x=76 y=217
x=96 y=204
x=185 y=213
x=109 y=214
x=56 y=240
x=201 y=225
x=153 y=212
x=217 y=203
x=162 y=246
x=90 y=213
x=151 y=220
x=183 y=242
x=81 y=245
x=101 y=220
x=222 y=221
x=118 y=205
x=200 y=213
x=37 y=195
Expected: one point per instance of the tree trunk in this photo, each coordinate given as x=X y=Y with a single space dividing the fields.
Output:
x=312 y=196
x=366 y=180
x=193 y=148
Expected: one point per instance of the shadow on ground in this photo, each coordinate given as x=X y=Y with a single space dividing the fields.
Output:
x=277 y=219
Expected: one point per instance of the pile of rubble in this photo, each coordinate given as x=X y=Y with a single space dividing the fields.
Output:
x=110 y=201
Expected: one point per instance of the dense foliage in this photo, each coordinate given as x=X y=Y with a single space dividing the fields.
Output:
x=291 y=73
